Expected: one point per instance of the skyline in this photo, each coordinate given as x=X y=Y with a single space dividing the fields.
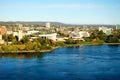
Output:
x=71 y=12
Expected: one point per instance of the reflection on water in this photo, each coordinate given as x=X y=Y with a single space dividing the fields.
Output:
x=73 y=63
x=21 y=55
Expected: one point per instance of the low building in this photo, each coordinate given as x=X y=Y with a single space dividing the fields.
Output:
x=105 y=30
x=78 y=36
x=84 y=34
x=9 y=32
x=31 y=32
x=49 y=36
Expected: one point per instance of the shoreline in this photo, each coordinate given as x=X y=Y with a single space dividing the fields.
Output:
x=30 y=51
x=53 y=48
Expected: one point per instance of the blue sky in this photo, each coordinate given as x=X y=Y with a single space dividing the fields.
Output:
x=66 y=11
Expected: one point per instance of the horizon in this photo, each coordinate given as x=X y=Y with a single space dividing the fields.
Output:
x=68 y=12
x=54 y=22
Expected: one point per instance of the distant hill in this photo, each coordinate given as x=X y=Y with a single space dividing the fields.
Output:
x=55 y=23
x=38 y=23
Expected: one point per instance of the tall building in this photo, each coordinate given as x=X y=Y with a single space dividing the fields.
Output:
x=47 y=25
x=20 y=35
x=117 y=26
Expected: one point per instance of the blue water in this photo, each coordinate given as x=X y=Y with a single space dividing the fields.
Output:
x=73 y=63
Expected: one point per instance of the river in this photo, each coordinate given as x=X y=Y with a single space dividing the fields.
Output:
x=68 y=63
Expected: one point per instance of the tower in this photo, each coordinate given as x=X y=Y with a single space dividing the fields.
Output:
x=47 y=25
x=20 y=35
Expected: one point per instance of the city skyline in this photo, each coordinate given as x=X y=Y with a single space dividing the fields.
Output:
x=73 y=12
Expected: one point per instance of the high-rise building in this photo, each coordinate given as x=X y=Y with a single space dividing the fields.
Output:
x=47 y=25
x=117 y=26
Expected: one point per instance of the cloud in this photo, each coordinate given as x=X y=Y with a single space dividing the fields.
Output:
x=65 y=6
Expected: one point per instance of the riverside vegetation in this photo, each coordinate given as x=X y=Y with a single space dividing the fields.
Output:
x=41 y=44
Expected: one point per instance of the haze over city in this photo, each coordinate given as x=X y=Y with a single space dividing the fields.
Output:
x=66 y=11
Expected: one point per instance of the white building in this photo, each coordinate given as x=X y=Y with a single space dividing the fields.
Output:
x=19 y=34
x=79 y=35
x=1 y=41
x=31 y=32
x=105 y=30
x=49 y=36
x=9 y=32
x=84 y=34
x=47 y=25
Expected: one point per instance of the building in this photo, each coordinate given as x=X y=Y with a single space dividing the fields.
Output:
x=1 y=41
x=76 y=29
x=106 y=30
x=117 y=26
x=49 y=36
x=47 y=25
x=78 y=36
x=84 y=34
x=31 y=32
x=9 y=32
x=3 y=31
x=19 y=34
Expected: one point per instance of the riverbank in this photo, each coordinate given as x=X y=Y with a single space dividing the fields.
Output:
x=67 y=45
x=30 y=51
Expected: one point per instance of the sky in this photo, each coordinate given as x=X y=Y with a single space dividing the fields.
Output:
x=65 y=11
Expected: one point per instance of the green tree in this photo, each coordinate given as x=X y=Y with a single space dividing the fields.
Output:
x=25 y=39
x=69 y=41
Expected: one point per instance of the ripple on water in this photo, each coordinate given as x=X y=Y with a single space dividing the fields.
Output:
x=77 y=63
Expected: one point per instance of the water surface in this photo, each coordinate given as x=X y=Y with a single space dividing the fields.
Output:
x=73 y=63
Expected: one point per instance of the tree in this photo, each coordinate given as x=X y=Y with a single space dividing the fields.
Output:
x=36 y=45
x=112 y=39
x=10 y=37
x=25 y=39
x=102 y=35
x=70 y=41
